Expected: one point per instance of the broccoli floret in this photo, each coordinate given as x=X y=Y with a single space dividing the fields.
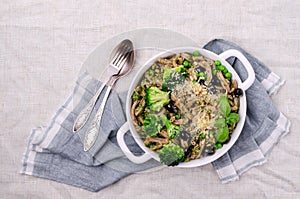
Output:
x=156 y=99
x=172 y=129
x=152 y=125
x=173 y=76
x=171 y=154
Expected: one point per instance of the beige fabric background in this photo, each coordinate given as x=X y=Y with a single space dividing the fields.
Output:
x=44 y=43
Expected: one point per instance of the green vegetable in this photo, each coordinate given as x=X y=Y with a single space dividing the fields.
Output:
x=178 y=116
x=214 y=72
x=221 y=67
x=172 y=129
x=201 y=74
x=194 y=81
x=156 y=99
x=186 y=63
x=218 y=146
x=171 y=154
x=152 y=125
x=220 y=123
x=173 y=77
x=203 y=135
x=151 y=72
x=228 y=75
x=232 y=118
x=222 y=134
x=225 y=70
x=196 y=53
x=224 y=106
x=217 y=62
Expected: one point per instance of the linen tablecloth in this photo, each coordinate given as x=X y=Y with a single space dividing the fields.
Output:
x=42 y=47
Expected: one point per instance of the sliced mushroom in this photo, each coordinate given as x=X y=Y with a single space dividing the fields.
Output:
x=224 y=82
x=178 y=122
x=175 y=60
x=164 y=61
x=135 y=122
x=175 y=121
x=140 y=119
x=163 y=133
x=186 y=56
x=198 y=58
x=155 y=142
x=234 y=84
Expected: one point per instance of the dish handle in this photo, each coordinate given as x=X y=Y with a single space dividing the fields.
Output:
x=251 y=75
x=120 y=138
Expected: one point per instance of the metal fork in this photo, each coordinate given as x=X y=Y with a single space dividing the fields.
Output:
x=94 y=129
x=113 y=69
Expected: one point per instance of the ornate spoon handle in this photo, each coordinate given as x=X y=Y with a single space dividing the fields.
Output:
x=93 y=131
x=84 y=115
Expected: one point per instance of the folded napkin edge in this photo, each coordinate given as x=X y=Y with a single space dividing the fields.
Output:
x=273 y=83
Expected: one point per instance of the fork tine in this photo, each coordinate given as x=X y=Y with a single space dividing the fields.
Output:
x=120 y=54
x=123 y=52
x=116 y=61
x=117 y=54
x=124 y=59
x=124 y=55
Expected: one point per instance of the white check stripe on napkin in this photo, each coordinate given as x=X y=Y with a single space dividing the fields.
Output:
x=272 y=83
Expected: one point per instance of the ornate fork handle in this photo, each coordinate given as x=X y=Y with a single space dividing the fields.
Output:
x=93 y=131
x=84 y=115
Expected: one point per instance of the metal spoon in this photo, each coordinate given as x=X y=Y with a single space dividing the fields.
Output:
x=114 y=68
x=93 y=131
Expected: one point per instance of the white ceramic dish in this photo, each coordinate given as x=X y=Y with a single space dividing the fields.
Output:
x=242 y=110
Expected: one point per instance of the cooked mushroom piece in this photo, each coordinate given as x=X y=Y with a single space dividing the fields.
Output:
x=140 y=119
x=187 y=57
x=208 y=71
x=155 y=143
x=224 y=82
x=234 y=84
x=165 y=61
x=163 y=133
x=132 y=112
